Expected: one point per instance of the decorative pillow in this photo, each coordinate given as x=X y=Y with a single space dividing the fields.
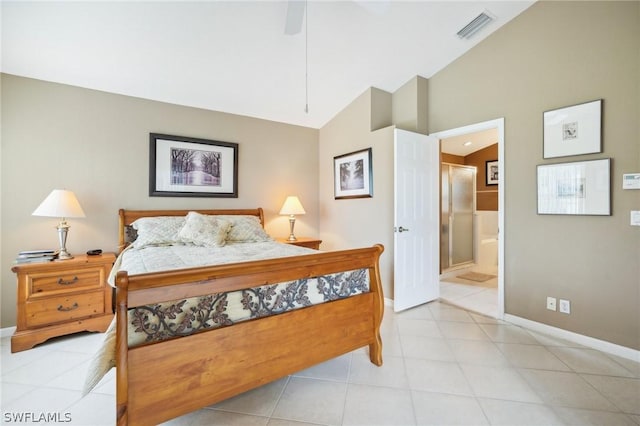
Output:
x=245 y=229
x=158 y=230
x=130 y=234
x=203 y=230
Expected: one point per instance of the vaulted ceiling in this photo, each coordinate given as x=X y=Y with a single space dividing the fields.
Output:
x=234 y=56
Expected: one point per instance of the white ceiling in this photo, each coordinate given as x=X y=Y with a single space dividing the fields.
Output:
x=464 y=145
x=235 y=56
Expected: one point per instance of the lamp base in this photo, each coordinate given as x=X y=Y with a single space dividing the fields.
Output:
x=64 y=255
x=63 y=228
x=292 y=223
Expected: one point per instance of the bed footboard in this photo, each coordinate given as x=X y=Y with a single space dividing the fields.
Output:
x=163 y=380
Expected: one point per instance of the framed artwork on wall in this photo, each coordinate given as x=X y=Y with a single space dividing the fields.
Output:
x=573 y=130
x=575 y=188
x=491 y=170
x=189 y=167
x=353 y=175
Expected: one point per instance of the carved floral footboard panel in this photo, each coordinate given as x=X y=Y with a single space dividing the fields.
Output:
x=178 y=318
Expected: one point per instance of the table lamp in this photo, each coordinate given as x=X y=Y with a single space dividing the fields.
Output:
x=292 y=207
x=63 y=204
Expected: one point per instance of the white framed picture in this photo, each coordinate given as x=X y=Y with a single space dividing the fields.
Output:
x=573 y=130
x=575 y=188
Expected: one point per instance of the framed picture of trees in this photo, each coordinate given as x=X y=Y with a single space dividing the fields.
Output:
x=189 y=167
x=353 y=175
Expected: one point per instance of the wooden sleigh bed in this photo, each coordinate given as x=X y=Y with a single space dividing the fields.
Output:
x=162 y=380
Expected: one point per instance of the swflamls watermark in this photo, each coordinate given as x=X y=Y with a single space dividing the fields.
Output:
x=35 y=417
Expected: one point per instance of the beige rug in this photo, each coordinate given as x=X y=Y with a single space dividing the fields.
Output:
x=476 y=276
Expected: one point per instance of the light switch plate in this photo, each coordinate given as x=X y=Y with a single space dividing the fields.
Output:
x=631 y=181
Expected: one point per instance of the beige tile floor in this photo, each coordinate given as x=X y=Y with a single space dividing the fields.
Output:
x=476 y=297
x=442 y=366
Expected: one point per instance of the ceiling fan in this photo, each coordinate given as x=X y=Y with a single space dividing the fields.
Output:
x=296 y=10
x=295 y=15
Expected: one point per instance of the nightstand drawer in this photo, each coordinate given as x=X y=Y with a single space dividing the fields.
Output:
x=52 y=310
x=65 y=281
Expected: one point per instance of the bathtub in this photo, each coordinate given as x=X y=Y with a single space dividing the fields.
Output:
x=486 y=239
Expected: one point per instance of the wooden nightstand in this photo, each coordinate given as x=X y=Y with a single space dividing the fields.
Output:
x=62 y=297
x=312 y=243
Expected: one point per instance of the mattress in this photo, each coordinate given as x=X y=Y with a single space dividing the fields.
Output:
x=178 y=256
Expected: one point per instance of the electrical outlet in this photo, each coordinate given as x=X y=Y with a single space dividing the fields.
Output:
x=551 y=303
x=565 y=306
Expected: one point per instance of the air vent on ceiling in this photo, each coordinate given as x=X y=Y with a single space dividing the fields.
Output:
x=476 y=25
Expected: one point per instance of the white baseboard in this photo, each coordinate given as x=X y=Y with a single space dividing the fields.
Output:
x=590 y=342
x=7 y=332
x=388 y=302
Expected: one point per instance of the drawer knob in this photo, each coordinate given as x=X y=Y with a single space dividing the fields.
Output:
x=69 y=308
x=63 y=282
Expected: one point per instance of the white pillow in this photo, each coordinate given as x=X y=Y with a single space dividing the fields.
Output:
x=158 y=230
x=245 y=229
x=203 y=230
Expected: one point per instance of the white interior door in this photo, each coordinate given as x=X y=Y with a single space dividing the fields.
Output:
x=416 y=219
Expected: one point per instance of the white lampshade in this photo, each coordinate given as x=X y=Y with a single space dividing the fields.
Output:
x=60 y=203
x=292 y=206
x=63 y=204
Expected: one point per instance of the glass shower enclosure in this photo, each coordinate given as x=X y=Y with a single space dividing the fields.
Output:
x=458 y=207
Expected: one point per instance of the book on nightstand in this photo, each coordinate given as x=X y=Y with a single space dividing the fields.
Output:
x=34 y=256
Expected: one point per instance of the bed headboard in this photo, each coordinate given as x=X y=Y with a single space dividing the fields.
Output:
x=127 y=217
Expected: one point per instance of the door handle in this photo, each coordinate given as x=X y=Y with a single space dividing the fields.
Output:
x=401 y=229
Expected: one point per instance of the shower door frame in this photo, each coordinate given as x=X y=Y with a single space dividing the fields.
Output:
x=451 y=218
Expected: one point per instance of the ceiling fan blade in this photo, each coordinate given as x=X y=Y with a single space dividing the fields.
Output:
x=296 y=12
x=295 y=16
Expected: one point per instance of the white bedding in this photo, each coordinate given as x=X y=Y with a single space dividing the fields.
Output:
x=164 y=258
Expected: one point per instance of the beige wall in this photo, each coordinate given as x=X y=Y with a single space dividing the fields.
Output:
x=360 y=222
x=553 y=55
x=409 y=105
x=97 y=144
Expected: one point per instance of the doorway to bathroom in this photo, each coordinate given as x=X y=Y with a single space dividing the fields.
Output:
x=471 y=249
